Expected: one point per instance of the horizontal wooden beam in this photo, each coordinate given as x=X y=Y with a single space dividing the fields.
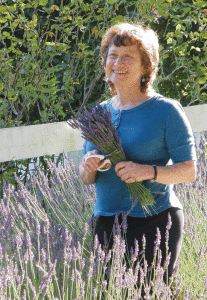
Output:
x=52 y=138
x=197 y=116
x=38 y=140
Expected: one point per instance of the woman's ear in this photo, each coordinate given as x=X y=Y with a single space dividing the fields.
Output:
x=104 y=67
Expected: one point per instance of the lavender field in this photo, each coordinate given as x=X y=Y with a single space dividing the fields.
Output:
x=46 y=244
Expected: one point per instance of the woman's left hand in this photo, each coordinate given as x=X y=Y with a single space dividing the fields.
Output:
x=129 y=171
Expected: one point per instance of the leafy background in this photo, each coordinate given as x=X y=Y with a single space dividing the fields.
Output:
x=50 y=63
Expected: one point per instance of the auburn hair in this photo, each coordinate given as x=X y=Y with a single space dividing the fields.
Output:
x=126 y=34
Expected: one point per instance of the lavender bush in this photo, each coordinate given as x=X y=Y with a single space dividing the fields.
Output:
x=46 y=250
x=193 y=258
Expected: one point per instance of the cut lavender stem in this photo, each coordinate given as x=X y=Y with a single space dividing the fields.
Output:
x=97 y=128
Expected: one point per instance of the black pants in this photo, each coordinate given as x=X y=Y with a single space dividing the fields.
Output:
x=137 y=227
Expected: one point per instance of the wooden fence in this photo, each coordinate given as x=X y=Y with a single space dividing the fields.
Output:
x=47 y=139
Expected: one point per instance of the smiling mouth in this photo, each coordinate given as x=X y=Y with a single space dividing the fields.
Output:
x=119 y=72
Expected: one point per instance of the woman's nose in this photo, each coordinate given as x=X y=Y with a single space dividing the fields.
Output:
x=118 y=60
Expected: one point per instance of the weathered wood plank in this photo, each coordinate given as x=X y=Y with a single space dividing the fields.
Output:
x=52 y=138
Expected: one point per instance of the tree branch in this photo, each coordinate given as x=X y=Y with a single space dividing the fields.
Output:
x=91 y=89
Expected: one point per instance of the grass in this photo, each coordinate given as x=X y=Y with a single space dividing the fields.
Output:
x=46 y=248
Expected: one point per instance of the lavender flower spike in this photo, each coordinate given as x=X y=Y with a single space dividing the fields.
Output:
x=97 y=128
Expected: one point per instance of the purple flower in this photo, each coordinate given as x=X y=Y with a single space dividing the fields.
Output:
x=104 y=285
x=47 y=278
x=100 y=254
x=96 y=242
x=18 y=241
x=24 y=295
x=108 y=256
x=32 y=288
x=72 y=278
x=143 y=242
x=145 y=269
x=94 y=293
x=167 y=261
x=157 y=241
x=97 y=128
x=134 y=254
x=20 y=280
x=169 y=223
x=90 y=273
x=44 y=256
x=124 y=223
x=117 y=226
x=47 y=225
x=37 y=228
x=26 y=257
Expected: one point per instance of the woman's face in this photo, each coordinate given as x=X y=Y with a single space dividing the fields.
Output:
x=123 y=66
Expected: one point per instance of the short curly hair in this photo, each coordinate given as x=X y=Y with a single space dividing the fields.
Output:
x=124 y=34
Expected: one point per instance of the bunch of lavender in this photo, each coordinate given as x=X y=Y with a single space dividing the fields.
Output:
x=97 y=128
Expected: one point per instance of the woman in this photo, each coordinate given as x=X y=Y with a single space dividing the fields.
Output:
x=153 y=130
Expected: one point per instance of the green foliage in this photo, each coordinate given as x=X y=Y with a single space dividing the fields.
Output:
x=49 y=53
x=183 y=70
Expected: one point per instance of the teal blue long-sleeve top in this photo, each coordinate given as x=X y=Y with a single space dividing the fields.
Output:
x=154 y=133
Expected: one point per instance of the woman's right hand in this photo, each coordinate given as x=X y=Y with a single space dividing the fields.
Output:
x=90 y=164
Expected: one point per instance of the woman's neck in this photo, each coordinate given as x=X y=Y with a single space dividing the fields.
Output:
x=129 y=100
